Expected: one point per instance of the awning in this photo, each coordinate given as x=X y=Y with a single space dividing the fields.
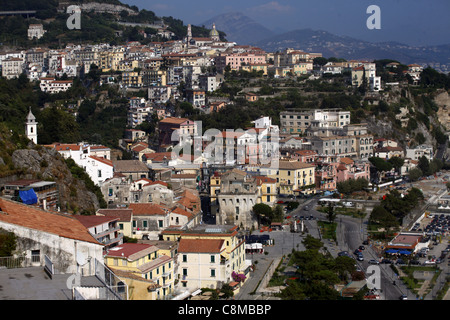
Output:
x=404 y=252
x=391 y=251
x=28 y=196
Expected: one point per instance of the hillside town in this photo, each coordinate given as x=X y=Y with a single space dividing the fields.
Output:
x=184 y=214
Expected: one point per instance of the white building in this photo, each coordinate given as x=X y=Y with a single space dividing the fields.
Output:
x=420 y=151
x=66 y=243
x=95 y=160
x=51 y=85
x=35 y=31
x=12 y=67
x=201 y=263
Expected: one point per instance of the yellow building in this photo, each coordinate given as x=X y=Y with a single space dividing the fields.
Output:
x=301 y=68
x=255 y=67
x=294 y=177
x=195 y=251
x=132 y=79
x=125 y=219
x=214 y=187
x=267 y=190
x=136 y=261
x=127 y=65
x=109 y=60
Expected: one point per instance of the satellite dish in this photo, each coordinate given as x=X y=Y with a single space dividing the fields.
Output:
x=81 y=260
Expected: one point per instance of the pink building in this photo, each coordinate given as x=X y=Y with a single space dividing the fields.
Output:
x=306 y=156
x=236 y=60
x=325 y=173
x=350 y=169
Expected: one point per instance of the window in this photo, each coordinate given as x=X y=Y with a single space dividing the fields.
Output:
x=184 y=258
x=213 y=259
x=35 y=255
x=213 y=273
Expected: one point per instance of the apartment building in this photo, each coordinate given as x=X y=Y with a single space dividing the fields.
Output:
x=420 y=151
x=366 y=71
x=12 y=67
x=292 y=177
x=296 y=122
x=51 y=85
x=147 y=273
x=173 y=130
x=103 y=228
x=208 y=255
x=236 y=60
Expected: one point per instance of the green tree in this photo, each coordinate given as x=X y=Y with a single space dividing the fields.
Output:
x=424 y=165
x=397 y=163
x=380 y=164
x=383 y=217
x=331 y=214
x=263 y=212
x=8 y=243
x=414 y=174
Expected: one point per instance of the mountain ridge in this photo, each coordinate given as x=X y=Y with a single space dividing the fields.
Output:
x=331 y=45
x=239 y=28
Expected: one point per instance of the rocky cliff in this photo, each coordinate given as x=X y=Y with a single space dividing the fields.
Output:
x=47 y=164
x=20 y=159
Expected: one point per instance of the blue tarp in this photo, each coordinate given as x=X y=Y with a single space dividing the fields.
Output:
x=28 y=196
x=404 y=252
x=391 y=251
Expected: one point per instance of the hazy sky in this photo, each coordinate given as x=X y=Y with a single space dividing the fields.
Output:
x=415 y=22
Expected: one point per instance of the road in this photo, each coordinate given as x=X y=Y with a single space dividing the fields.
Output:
x=350 y=234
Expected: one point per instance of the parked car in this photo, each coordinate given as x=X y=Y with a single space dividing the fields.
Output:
x=400 y=261
x=386 y=261
x=403 y=297
x=360 y=257
x=373 y=261
x=361 y=248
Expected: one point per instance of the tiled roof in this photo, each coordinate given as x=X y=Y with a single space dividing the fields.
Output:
x=131 y=251
x=293 y=165
x=92 y=221
x=102 y=160
x=173 y=120
x=180 y=211
x=346 y=160
x=34 y=218
x=147 y=209
x=200 y=246
x=123 y=214
x=129 y=166
x=262 y=179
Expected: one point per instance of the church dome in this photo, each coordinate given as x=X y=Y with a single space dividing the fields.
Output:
x=214 y=34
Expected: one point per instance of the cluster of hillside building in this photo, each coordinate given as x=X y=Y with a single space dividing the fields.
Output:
x=160 y=198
